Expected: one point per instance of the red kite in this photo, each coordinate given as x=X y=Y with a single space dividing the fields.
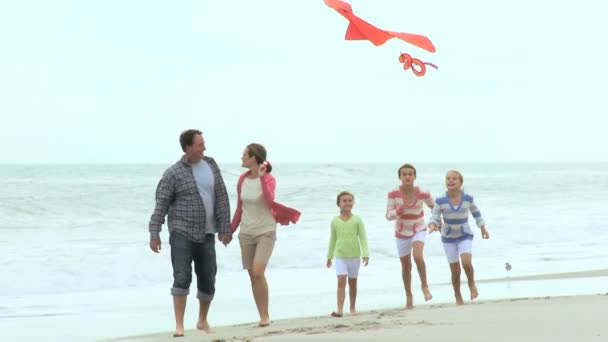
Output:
x=359 y=29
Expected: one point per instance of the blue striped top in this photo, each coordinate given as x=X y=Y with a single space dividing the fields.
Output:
x=456 y=219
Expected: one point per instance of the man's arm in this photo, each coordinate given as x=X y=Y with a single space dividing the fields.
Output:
x=165 y=195
x=222 y=203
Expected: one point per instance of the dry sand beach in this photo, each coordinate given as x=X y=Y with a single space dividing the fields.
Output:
x=568 y=318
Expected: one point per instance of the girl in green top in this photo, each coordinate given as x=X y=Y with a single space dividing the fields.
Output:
x=347 y=243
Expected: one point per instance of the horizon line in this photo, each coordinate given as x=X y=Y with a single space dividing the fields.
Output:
x=302 y=162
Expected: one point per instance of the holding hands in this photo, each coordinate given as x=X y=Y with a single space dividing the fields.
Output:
x=224 y=238
x=433 y=227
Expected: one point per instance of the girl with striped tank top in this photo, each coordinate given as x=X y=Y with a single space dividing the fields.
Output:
x=405 y=207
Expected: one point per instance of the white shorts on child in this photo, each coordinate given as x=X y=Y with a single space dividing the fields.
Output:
x=348 y=266
x=404 y=246
x=453 y=250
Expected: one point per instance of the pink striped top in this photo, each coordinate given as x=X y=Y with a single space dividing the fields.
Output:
x=409 y=217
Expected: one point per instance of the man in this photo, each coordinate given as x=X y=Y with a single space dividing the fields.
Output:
x=193 y=195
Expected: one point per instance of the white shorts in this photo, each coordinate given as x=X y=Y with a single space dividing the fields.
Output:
x=455 y=249
x=404 y=246
x=347 y=266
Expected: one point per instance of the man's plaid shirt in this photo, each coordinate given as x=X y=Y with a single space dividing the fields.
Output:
x=177 y=196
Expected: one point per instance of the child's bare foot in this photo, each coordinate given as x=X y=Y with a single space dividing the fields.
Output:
x=474 y=292
x=264 y=322
x=179 y=331
x=203 y=325
x=409 y=303
x=459 y=300
x=427 y=294
x=336 y=314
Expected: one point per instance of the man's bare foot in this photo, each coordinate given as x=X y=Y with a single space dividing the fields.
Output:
x=474 y=292
x=179 y=332
x=427 y=294
x=264 y=322
x=353 y=312
x=409 y=303
x=459 y=300
x=203 y=325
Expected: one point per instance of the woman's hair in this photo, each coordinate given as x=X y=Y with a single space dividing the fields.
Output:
x=258 y=151
x=406 y=166
x=343 y=193
x=459 y=176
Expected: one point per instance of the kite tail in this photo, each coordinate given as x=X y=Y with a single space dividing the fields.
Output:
x=418 y=66
x=432 y=65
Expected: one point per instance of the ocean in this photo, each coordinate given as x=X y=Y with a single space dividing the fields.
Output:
x=75 y=263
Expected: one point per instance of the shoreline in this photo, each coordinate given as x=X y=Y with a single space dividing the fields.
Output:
x=516 y=319
x=547 y=276
x=519 y=318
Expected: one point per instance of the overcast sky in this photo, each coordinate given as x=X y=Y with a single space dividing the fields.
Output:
x=117 y=81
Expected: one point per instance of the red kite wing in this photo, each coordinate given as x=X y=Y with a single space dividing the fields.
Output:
x=359 y=29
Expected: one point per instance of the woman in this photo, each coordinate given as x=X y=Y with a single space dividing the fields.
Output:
x=257 y=214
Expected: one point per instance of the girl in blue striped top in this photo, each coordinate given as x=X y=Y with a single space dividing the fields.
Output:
x=456 y=234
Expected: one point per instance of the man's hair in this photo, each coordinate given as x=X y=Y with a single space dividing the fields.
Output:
x=187 y=137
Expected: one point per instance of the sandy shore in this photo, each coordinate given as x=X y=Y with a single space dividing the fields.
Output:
x=580 y=318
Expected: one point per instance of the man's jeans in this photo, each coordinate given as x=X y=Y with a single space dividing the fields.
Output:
x=183 y=252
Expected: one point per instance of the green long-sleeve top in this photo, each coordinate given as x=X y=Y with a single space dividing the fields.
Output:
x=347 y=239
